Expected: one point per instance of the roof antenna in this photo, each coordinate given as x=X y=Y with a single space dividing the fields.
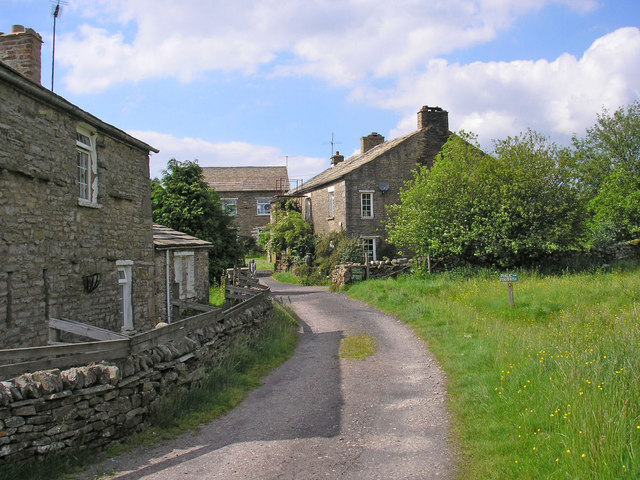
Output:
x=56 y=11
x=332 y=142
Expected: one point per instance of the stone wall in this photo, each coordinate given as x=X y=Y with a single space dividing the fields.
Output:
x=346 y=273
x=247 y=202
x=49 y=239
x=323 y=223
x=90 y=407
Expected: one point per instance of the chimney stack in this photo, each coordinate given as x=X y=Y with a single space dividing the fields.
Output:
x=21 y=50
x=370 y=141
x=434 y=117
x=336 y=159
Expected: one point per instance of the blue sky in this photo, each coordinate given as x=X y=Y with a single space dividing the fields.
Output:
x=257 y=81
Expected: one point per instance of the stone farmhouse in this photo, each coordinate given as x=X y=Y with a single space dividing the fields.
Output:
x=182 y=268
x=352 y=194
x=76 y=238
x=247 y=193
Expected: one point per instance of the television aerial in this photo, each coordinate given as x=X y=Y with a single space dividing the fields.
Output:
x=56 y=11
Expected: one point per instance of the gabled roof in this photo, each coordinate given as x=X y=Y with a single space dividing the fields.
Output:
x=236 y=179
x=165 y=237
x=350 y=164
x=37 y=91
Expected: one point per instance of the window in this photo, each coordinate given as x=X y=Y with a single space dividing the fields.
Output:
x=87 y=168
x=369 y=247
x=366 y=204
x=331 y=204
x=183 y=269
x=307 y=209
x=124 y=293
x=264 y=206
x=230 y=206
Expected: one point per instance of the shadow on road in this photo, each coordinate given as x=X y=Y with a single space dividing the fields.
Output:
x=300 y=399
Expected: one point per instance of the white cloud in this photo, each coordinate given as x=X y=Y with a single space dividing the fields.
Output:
x=496 y=99
x=229 y=154
x=344 y=42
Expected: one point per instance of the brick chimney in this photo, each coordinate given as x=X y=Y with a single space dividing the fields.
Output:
x=21 y=49
x=434 y=117
x=370 y=141
x=336 y=159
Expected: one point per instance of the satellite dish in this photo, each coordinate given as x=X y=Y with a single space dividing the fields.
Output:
x=384 y=186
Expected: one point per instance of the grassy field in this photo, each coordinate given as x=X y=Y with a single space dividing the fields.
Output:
x=548 y=389
x=224 y=388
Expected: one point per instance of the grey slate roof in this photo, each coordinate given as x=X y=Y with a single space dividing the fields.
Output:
x=238 y=179
x=165 y=237
x=350 y=164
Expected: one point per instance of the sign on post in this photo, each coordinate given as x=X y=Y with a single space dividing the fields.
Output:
x=509 y=278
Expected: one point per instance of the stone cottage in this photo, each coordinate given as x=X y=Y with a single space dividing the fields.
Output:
x=247 y=193
x=76 y=237
x=182 y=269
x=352 y=194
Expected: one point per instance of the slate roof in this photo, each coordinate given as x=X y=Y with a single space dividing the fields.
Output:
x=243 y=179
x=350 y=164
x=165 y=237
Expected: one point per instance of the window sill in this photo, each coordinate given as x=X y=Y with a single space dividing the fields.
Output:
x=366 y=218
x=330 y=218
x=87 y=203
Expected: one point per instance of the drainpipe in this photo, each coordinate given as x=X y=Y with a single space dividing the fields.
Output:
x=168 y=289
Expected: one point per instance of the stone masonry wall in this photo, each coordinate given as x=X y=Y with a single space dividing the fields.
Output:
x=248 y=218
x=49 y=241
x=90 y=407
x=345 y=273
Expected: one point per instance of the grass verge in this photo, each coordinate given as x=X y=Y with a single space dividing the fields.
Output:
x=547 y=389
x=223 y=389
x=358 y=346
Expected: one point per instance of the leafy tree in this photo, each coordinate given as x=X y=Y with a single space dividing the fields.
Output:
x=182 y=200
x=288 y=233
x=608 y=165
x=505 y=209
x=611 y=144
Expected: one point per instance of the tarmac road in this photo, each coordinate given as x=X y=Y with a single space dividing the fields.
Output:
x=319 y=416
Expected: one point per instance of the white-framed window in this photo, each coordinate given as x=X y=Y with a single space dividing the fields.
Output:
x=331 y=201
x=87 y=167
x=183 y=268
x=369 y=247
x=230 y=206
x=366 y=204
x=125 y=279
x=264 y=206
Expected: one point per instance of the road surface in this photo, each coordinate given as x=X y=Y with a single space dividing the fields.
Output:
x=319 y=416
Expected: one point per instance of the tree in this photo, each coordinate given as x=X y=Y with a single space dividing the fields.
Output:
x=505 y=209
x=182 y=200
x=288 y=233
x=608 y=166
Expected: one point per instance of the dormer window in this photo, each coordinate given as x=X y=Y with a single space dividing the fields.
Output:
x=87 y=168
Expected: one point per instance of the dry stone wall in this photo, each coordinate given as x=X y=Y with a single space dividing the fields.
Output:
x=89 y=407
x=345 y=273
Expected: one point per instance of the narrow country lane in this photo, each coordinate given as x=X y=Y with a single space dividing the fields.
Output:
x=319 y=416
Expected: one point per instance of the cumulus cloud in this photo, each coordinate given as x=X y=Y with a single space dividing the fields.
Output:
x=229 y=154
x=344 y=42
x=496 y=99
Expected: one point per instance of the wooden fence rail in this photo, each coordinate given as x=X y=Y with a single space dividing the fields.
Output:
x=16 y=361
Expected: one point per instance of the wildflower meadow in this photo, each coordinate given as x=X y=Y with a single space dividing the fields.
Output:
x=549 y=388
